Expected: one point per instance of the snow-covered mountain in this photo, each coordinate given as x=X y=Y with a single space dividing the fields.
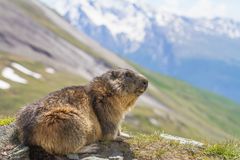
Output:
x=204 y=52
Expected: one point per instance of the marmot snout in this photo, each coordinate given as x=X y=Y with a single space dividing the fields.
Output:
x=66 y=120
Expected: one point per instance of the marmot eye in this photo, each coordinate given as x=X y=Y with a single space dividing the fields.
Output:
x=127 y=74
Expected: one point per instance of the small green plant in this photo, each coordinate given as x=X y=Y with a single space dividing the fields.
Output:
x=147 y=146
x=6 y=121
x=228 y=150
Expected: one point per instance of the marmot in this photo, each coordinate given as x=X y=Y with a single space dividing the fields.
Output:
x=66 y=120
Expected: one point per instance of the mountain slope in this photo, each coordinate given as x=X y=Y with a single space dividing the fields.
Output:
x=203 y=111
x=169 y=104
x=163 y=42
x=20 y=94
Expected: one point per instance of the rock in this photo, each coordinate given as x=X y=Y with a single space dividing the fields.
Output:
x=10 y=150
x=93 y=158
x=5 y=135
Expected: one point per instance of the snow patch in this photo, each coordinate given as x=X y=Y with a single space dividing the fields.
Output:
x=26 y=71
x=181 y=140
x=4 y=85
x=50 y=70
x=9 y=73
x=153 y=121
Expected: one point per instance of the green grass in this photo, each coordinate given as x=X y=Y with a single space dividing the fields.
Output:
x=226 y=150
x=152 y=146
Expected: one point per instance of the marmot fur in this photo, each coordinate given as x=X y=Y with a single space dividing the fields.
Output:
x=66 y=120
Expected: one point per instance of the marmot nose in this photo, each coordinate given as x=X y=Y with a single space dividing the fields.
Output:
x=145 y=83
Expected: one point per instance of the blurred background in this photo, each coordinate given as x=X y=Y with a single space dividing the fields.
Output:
x=189 y=51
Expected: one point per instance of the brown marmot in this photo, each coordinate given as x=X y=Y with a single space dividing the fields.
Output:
x=66 y=120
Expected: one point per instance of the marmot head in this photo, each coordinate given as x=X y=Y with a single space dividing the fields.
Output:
x=121 y=87
x=125 y=82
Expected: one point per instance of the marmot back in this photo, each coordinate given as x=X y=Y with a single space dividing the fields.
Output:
x=66 y=120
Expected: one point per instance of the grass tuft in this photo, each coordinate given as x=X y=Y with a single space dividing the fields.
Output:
x=147 y=147
x=227 y=150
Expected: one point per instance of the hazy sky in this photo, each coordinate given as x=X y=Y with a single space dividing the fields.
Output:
x=200 y=8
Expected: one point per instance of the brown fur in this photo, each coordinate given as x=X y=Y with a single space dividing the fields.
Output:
x=66 y=120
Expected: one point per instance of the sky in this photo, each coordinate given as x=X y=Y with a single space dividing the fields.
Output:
x=200 y=8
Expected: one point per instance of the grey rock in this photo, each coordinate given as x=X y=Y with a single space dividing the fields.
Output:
x=10 y=149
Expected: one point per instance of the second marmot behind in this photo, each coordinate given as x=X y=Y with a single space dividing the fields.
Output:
x=66 y=120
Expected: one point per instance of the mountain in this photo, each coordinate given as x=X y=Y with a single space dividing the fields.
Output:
x=40 y=52
x=203 y=52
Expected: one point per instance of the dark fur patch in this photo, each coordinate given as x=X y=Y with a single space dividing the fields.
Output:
x=37 y=153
